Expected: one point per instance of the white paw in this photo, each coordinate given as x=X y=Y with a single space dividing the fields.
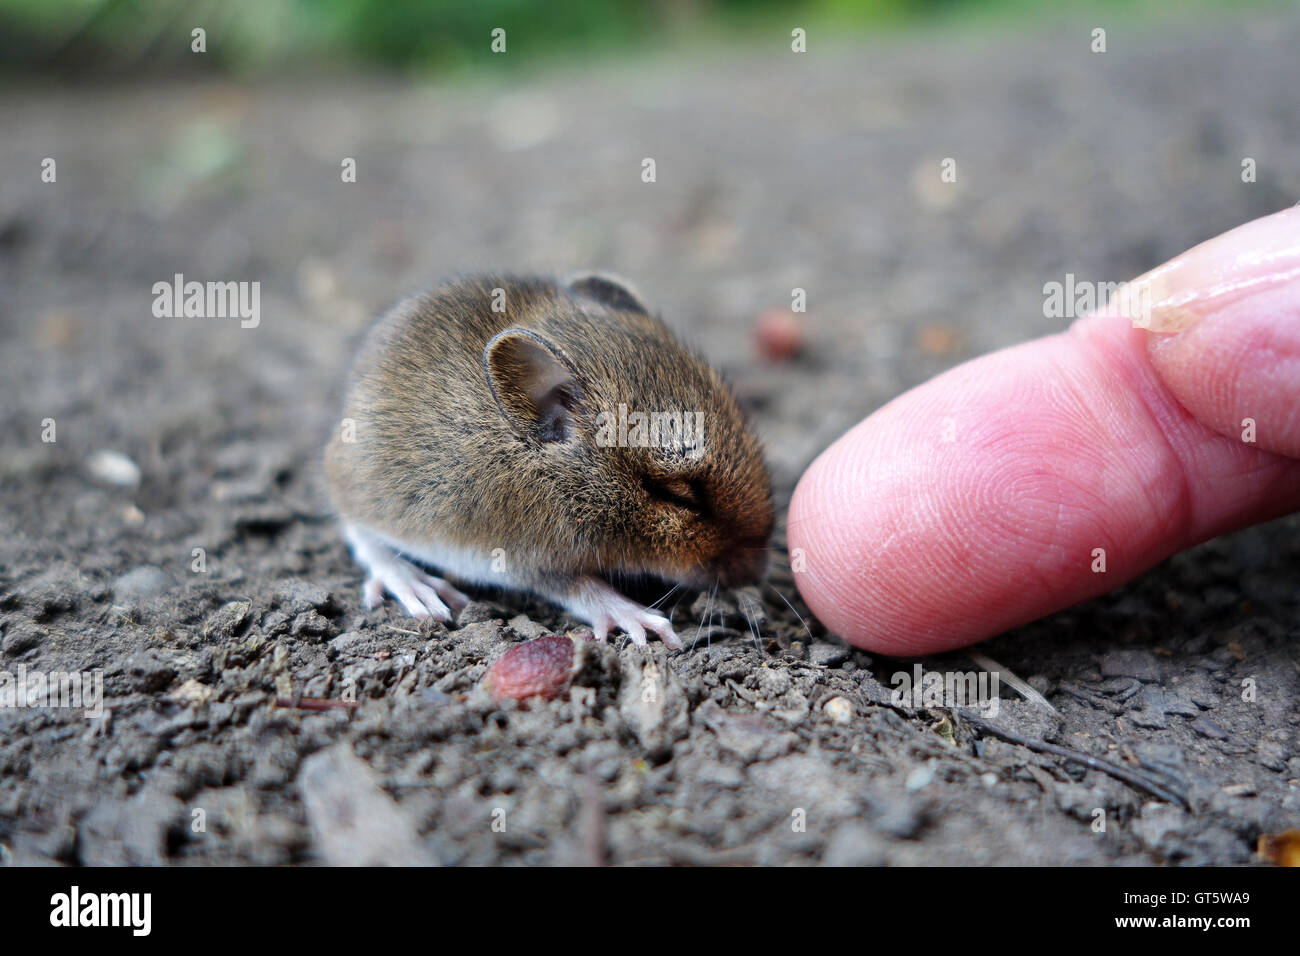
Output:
x=423 y=595
x=606 y=610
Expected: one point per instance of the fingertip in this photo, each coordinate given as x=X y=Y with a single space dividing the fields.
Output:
x=981 y=499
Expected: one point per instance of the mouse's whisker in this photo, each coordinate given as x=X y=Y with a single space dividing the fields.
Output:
x=708 y=610
x=700 y=629
x=792 y=608
x=812 y=517
x=670 y=592
x=714 y=608
x=749 y=617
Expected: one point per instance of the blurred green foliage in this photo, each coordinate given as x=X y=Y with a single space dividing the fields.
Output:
x=127 y=37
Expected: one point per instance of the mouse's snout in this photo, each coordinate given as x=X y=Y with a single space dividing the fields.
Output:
x=744 y=562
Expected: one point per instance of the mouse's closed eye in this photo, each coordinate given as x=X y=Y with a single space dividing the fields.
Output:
x=682 y=492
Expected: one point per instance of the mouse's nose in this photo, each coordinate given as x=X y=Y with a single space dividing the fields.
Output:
x=745 y=562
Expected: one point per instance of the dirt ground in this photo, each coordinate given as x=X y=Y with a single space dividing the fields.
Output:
x=774 y=171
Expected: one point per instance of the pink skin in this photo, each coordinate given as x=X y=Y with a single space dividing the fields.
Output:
x=974 y=503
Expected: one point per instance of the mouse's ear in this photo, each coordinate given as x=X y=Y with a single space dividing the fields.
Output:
x=606 y=289
x=534 y=384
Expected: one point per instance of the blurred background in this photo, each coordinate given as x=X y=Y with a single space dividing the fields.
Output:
x=776 y=172
x=260 y=37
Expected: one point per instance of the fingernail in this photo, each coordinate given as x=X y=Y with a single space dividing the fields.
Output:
x=1252 y=258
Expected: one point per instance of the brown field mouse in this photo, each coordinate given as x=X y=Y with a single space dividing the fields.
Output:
x=540 y=435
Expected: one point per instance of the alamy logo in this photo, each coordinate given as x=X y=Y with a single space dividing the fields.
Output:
x=679 y=432
x=1074 y=298
x=209 y=300
x=103 y=909
x=53 y=689
x=977 y=690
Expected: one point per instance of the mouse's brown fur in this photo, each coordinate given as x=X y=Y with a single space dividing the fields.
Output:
x=487 y=451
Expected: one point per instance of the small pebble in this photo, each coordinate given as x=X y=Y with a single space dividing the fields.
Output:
x=919 y=778
x=113 y=468
x=1208 y=728
x=839 y=710
x=827 y=654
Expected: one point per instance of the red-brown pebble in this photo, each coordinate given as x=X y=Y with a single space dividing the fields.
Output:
x=779 y=335
x=541 y=667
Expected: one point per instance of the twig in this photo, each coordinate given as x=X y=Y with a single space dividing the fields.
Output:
x=1134 y=779
x=313 y=703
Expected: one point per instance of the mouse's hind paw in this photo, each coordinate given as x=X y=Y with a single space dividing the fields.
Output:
x=423 y=595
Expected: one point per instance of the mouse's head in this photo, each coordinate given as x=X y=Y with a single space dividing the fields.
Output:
x=649 y=458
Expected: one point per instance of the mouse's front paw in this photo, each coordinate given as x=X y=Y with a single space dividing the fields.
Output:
x=423 y=595
x=605 y=609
